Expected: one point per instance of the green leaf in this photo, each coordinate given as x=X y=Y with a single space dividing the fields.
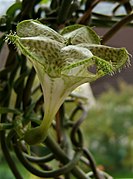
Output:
x=5 y=110
x=44 y=1
x=12 y=9
x=4 y=126
x=18 y=82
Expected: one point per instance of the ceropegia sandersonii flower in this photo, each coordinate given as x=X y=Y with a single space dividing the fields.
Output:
x=63 y=62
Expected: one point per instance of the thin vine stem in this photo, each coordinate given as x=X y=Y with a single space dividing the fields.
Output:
x=28 y=87
x=92 y=164
x=86 y=16
x=63 y=12
x=3 y=139
x=39 y=159
x=60 y=154
x=116 y=27
x=8 y=157
x=47 y=174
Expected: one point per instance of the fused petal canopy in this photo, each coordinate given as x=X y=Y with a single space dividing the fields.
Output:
x=63 y=61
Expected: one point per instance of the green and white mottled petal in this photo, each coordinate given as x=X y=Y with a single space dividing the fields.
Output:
x=43 y=50
x=46 y=51
x=79 y=60
x=117 y=56
x=33 y=28
x=91 y=68
x=72 y=53
x=77 y=34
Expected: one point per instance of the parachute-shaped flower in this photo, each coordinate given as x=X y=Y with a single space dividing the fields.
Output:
x=63 y=62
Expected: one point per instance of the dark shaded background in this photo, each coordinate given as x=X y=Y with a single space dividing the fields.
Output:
x=123 y=38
